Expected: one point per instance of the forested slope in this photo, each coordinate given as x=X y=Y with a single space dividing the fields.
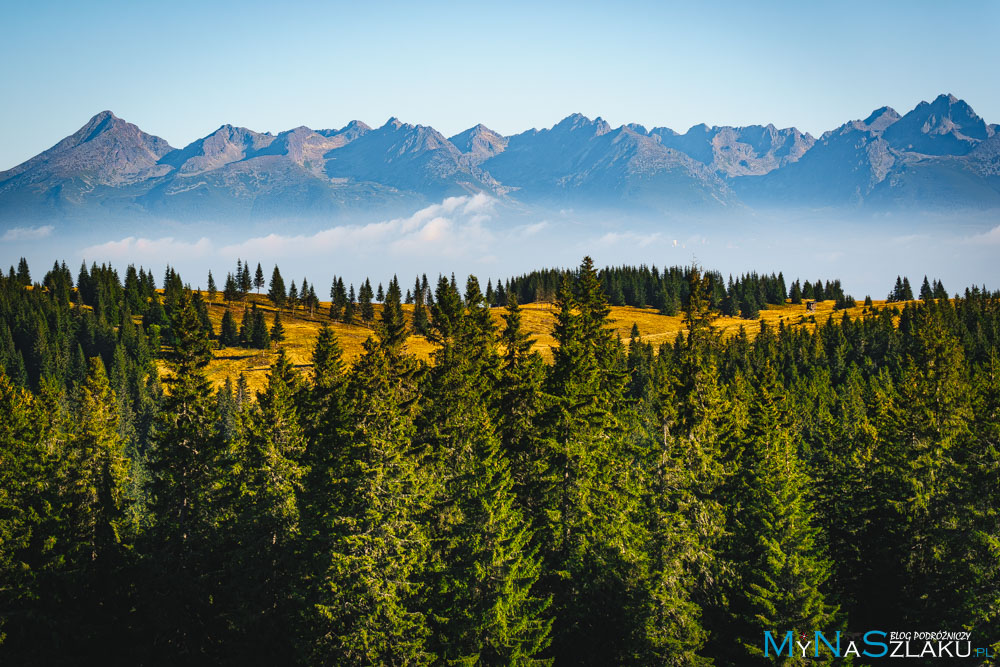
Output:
x=619 y=503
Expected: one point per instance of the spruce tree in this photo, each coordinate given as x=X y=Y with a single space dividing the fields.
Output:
x=32 y=451
x=246 y=328
x=589 y=499
x=266 y=518
x=277 y=330
x=184 y=465
x=349 y=307
x=258 y=279
x=907 y=291
x=783 y=572
x=926 y=293
x=487 y=610
x=23 y=274
x=325 y=423
x=276 y=290
x=421 y=323
x=100 y=472
x=246 y=281
x=365 y=307
x=392 y=329
x=338 y=298
x=230 y=292
x=229 y=335
x=260 y=338
x=749 y=308
x=368 y=596
x=796 y=293
x=519 y=402
x=978 y=548
x=212 y=289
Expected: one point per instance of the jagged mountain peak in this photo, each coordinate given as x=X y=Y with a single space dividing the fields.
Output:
x=577 y=121
x=881 y=118
x=225 y=145
x=348 y=133
x=106 y=150
x=110 y=162
x=480 y=142
x=946 y=126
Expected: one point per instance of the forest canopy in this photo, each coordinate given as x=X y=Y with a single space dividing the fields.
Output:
x=620 y=504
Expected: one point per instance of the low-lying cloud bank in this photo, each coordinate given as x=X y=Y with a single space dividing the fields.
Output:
x=27 y=233
x=490 y=238
x=454 y=228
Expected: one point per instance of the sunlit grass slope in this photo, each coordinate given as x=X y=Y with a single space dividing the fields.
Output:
x=301 y=330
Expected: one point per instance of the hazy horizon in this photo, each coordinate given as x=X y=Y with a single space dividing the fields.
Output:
x=485 y=237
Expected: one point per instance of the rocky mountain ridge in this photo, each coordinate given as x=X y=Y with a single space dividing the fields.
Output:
x=940 y=154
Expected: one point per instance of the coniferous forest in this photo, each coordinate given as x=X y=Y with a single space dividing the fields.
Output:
x=619 y=504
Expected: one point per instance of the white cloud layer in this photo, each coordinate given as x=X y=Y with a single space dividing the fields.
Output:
x=455 y=227
x=27 y=233
x=140 y=250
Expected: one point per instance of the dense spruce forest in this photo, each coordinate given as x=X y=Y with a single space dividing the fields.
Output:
x=621 y=505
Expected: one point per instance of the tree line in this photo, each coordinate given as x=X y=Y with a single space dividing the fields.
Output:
x=619 y=505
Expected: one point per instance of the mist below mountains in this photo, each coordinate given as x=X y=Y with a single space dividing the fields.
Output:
x=889 y=194
x=482 y=235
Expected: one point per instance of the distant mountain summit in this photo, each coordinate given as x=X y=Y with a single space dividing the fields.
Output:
x=946 y=126
x=939 y=155
x=105 y=151
x=739 y=151
x=480 y=142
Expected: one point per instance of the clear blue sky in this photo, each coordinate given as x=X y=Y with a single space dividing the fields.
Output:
x=180 y=69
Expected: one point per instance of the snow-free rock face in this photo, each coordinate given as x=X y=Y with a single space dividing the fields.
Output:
x=940 y=154
x=106 y=151
x=479 y=142
x=739 y=151
x=226 y=145
x=946 y=126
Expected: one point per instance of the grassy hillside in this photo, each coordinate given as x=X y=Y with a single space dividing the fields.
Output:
x=301 y=330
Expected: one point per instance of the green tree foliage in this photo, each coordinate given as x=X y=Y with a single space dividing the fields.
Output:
x=267 y=480
x=421 y=323
x=185 y=466
x=338 y=298
x=365 y=307
x=229 y=334
x=590 y=503
x=277 y=333
x=617 y=505
x=276 y=289
x=350 y=307
x=368 y=593
x=486 y=608
x=258 y=278
x=99 y=472
x=782 y=573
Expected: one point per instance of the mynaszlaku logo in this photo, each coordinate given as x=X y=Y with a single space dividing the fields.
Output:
x=873 y=644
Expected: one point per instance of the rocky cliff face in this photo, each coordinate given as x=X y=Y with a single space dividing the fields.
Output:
x=940 y=154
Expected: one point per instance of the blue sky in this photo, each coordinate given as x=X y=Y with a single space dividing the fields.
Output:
x=180 y=69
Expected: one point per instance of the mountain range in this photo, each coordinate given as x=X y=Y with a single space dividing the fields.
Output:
x=940 y=155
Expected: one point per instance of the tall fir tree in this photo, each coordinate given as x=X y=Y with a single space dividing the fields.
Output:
x=265 y=526
x=368 y=608
x=184 y=465
x=258 y=278
x=783 y=572
x=276 y=289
